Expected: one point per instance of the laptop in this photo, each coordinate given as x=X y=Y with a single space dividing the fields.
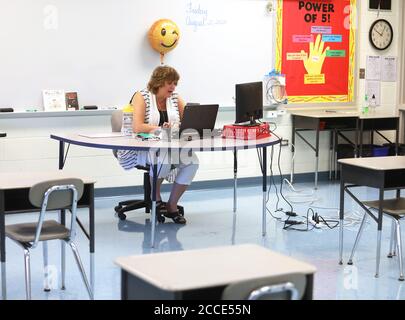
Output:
x=197 y=118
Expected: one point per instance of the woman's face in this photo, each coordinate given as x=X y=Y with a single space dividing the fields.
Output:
x=167 y=90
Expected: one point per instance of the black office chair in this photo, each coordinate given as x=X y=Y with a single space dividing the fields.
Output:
x=124 y=206
x=129 y=205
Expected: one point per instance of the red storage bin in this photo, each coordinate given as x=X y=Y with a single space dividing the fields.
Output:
x=246 y=132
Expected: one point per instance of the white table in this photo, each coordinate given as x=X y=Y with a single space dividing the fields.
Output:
x=182 y=274
x=179 y=145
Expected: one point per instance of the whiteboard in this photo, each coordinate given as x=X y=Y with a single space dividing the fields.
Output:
x=99 y=48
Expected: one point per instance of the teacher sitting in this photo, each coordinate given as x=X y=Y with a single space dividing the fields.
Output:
x=157 y=107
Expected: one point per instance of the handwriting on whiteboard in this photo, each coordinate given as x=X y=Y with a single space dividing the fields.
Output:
x=198 y=16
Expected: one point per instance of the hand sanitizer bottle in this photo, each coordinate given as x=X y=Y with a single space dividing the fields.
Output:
x=365 y=106
x=127 y=118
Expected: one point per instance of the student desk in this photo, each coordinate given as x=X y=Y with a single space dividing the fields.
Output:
x=322 y=120
x=203 y=273
x=402 y=122
x=383 y=173
x=376 y=122
x=337 y=121
x=14 y=190
x=179 y=146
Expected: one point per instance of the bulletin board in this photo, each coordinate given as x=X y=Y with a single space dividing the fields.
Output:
x=316 y=49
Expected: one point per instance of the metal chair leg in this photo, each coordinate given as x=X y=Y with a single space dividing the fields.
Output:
x=46 y=275
x=63 y=264
x=3 y=281
x=80 y=265
x=27 y=274
x=399 y=246
x=377 y=267
x=359 y=233
x=394 y=250
x=392 y=242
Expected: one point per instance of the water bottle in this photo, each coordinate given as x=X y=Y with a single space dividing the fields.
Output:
x=365 y=106
x=127 y=119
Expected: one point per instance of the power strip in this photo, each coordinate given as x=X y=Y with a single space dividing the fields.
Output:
x=293 y=222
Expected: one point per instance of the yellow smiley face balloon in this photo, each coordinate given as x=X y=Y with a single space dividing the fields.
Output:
x=164 y=36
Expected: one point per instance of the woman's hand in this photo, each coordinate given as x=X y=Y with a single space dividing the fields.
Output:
x=166 y=125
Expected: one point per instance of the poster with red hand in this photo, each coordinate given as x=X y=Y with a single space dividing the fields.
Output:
x=316 y=49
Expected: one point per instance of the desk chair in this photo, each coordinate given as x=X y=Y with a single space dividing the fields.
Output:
x=50 y=195
x=124 y=206
x=394 y=209
x=285 y=287
x=129 y=205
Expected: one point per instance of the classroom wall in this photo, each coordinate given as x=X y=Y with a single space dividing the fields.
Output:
x=389 y=90
x=28 y=146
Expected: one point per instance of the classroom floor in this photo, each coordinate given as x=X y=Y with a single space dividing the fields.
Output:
x=212 y=223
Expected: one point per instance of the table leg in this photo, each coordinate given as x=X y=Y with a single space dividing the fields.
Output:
x=341 y=217
x=92 y=238
x=235 y=179
x=397 y=138
x=356 y=139
x=61 y=154
x=264 y=168
x=154 y=187
x=331 y=156
x=3 y=246
x=335 y=146
x=316 y=158
x=292 y=149
x=233 y=228
x=63 y=250
x=361 y=138
x=62 y=220
x=379 y=232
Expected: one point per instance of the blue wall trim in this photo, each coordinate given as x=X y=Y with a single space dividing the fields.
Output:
x=203 y=185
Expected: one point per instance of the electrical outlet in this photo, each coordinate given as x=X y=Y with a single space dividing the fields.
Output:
x=284 y=142
x=272 y=114
x=362 y=73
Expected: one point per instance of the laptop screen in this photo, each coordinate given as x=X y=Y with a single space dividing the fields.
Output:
x=198 y=118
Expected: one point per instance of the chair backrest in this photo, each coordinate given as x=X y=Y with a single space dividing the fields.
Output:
x=56 y=194
x=116 y=124
x=116 y=121
x=58 y=199
x=285 y=287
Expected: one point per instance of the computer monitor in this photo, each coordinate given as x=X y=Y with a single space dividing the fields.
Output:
x=249 y=102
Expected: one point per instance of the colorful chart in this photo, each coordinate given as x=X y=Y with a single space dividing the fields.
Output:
x=316 y=49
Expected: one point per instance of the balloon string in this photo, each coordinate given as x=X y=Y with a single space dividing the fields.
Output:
x=162 y=56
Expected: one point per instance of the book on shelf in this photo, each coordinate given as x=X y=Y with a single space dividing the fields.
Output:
x=54 y=100
x=72 y=103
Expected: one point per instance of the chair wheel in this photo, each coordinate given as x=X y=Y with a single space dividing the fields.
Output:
x=118 y=208
x=161 y=219
x=122 y=216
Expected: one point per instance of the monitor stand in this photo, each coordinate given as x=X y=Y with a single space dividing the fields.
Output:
x=248 y=124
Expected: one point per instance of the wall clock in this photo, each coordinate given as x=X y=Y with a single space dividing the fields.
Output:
x=381 y=34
